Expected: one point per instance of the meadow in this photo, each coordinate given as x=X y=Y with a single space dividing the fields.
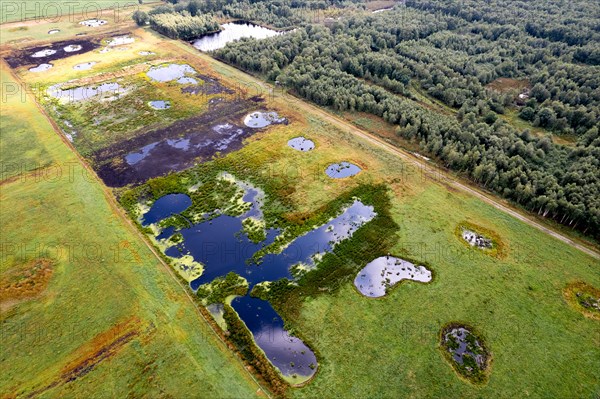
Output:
x=541 y=346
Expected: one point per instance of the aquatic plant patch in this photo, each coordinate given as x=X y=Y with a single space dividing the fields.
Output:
x=466 y=352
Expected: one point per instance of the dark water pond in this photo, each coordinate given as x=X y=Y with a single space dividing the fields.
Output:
x=301 y=144
x=230 y=32
x=342 y=170
x=288 y=353
x=222 y=247
x=166 y=206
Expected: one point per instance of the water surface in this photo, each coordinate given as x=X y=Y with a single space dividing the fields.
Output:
x=160 y=104
x=41 y=68
x=301 y=144
x=384 y=272
x=232 y=31
x=168 y=73
x=342 y=170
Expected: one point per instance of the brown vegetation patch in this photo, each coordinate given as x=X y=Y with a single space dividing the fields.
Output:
x=103 y=346
x=507 y=84
x=25 y=282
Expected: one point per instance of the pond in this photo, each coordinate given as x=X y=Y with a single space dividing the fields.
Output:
x=259 y=119
x=40 y=68
x=43 y=53
x=166 y=206
x=84 y=92
x=85 y=66
x=160 y=104
x=93 y=23
x=146 y=53
x=376 y=277
x=232 y=31
x=120 y=40
x=71 y=48
x=476 y=240
x=288 y=353
x=222 y=246
x=53 y=31
x=301 y=144
x=466 y=351
x=168 y=73
x=342 y=170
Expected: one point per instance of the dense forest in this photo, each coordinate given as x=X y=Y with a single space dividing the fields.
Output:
x=455 y=53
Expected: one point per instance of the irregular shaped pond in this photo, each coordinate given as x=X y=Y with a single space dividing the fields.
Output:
x=93 y=23
x=166 y=206
x=342 y=170
x=84 y=92
x=120 y=40
x=262 y=119
x=301 y=144
x=43 y=53
x=384 y=272
x=40 y=68
x=222 y=247
x=160 y=104
x=71 y=48
x=232 y=31
x=476 y=240
x=466 y=352
x=169 y=72
x=289 y=354
x=84 y=66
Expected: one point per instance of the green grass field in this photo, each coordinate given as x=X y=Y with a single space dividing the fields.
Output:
x=105 y=283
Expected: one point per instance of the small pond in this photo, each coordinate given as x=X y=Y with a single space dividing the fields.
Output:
x=84 y=92
x=262 y=119
x=469 y=356
x=384 y=272
x=40 y=68
x=168 y=73
x=84 y=66
x=160 y=104
x=301 y=144
x=146 y=53
x=53 y=31
x=342 y=170
x=43 y=53
x=93 y=23
x=288 y=353
x=71 y=48
x=476 y=240
x=186 y=80
x=120 y=40
x=230 y=32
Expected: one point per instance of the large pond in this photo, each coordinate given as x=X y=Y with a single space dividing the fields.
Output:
x=384 y=272
x=342 y=170
x=287 y=352
x=168 y=73
x=85 y=92
x=222 y=246
x=230 y=32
